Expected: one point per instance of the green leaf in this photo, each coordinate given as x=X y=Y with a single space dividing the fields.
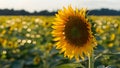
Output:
x=71 y=65
x=101 y=66
x=17 y=64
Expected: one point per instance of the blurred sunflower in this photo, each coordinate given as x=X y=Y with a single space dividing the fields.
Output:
x=72 y=31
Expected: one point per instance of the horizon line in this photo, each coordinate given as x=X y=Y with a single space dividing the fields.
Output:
x=54 y=10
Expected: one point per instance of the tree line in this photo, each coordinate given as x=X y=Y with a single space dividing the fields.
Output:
x=103 y=11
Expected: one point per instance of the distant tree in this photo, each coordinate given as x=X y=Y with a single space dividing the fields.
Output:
x=102 y=11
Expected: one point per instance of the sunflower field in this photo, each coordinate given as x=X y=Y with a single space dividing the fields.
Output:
x=27 y=42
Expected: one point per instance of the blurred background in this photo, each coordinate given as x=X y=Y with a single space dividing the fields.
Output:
x=26 y=40
x=50 y=7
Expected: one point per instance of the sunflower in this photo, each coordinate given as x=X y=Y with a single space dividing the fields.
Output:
x=72 y=31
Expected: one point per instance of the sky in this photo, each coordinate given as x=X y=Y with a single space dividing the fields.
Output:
x=52 y=5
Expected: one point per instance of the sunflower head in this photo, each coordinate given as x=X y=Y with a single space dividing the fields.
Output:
x=73 y=34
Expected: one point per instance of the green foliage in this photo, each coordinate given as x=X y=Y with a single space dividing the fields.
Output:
x=26 y=42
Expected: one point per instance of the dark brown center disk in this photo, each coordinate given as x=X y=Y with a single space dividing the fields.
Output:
x=76 y=31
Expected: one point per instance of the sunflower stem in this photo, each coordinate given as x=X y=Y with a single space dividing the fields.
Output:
x=91 y=61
